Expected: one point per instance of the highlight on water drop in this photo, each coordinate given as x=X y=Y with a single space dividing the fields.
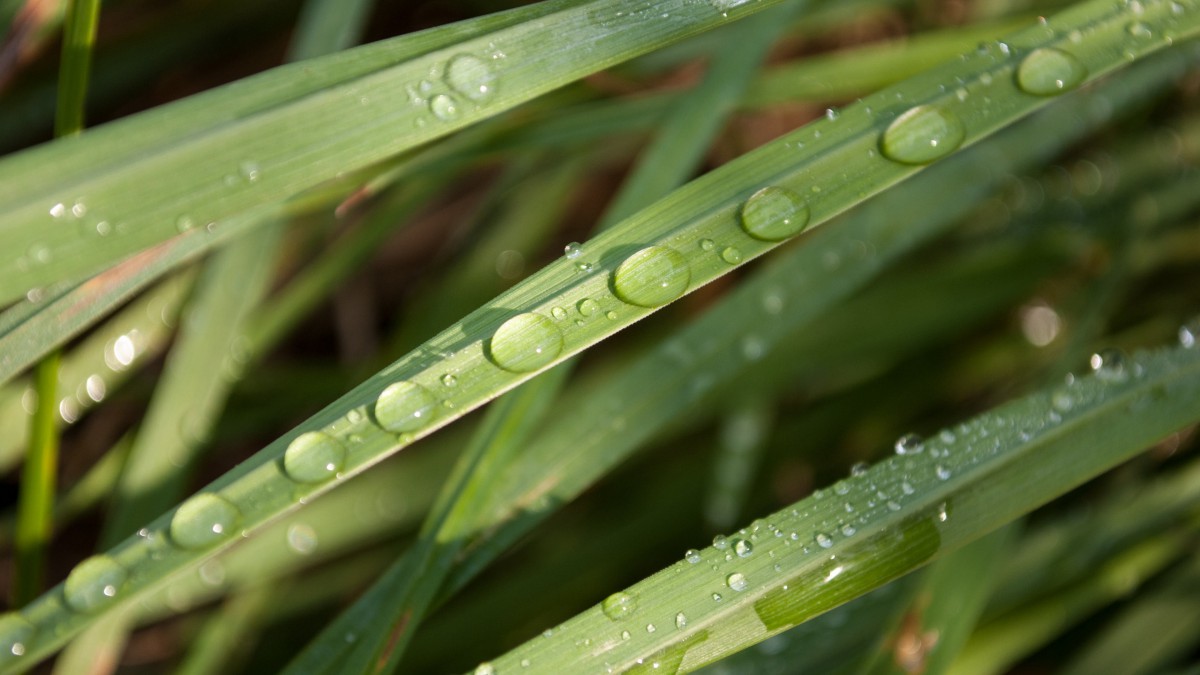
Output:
x=16 y=633
x=525 y=343
x=404 y=407
x=203 y=521
x=313 y=457
x=922 y=134
x=1049 y=72
x=774 y=214
x=652 y=277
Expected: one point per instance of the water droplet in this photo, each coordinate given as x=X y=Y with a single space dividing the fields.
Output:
x=572 y=250
x=250 y=171
x=618 y=606
x=823 y=540
x=707 y=244
x=909 y=444
x=922 y=134
x=731 y=255
x=15 y=636
x=893 y=506
x=1108 y=364
x=652 y=277
x=404 y=407
x=587 y=307
x=858 y=469
x=1062 y=401
x=443 y=107
x=610 y=315
x=774 y=214
x=1048 y=71
x=58 y=210
x=742 y=547
x=584 y=267
x=93 y=584
x=720 y=542
x=1189 y=334
x=449 y=380
x=650 y=628
x=680 y=620
x=848 y=530
x=907 y=488
x=525 y=342
x=1139 y=30
x=203 y=520
x=472 y=77
x=942 y=472
x=692 y=556
x=716 y=597
x=558 y=313
x=302 y=538
x=313 y=457
x=485 y=668
x=736 y=581
x=184 y=223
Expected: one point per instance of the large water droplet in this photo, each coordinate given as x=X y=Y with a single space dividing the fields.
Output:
x=742 y=547
x=774 y=214
x=1048 y=71
x=203 y=521
x=470 y=76
x=823 y=540
x=313 y=457
x=94 y=583
x=618 y=605
x=652 y=277
x=404 y=407
x=525 y=342
x=736 y=581
x=15 y=636
x=922 y=134
x=572 y=250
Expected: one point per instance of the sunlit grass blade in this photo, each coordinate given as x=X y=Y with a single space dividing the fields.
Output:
x=912 y=509
x=507 y=341
x=270 y=137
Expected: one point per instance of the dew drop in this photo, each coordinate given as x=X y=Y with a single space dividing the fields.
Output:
x=680 y=620
x=942 y=472
x=707 y=244
x=848 y=530
x=449 y=380
x=1189 y=334
x=909 y=444
x=736 y=581
x=443 y=107
x=618 y=606
x=93 y=584
x=485 y=668
x=587 y=307
x=404 y=407
x=650 y=628
x=470 y=76
x=313 y=457
x=1048 y=71
x=858 y=469
x=1108 y=364
x=720 y=542
x=716 y=597
x=652 y=277
x=921 y=135
x=823 y=540
x=774 y=214
x=302 y=538
x=692 y=556
x=15 y=636
x=525 y=342
x=58 y=210
x=610 y=315
x=572 y=250
x=558 y=313
x=742 y=547
x=731 y=255
x=203 y=520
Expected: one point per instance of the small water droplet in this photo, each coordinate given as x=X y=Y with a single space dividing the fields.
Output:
x=774 y=214
x=203 y=520
x=404 y=407
x=823 y=540
x=736 y=581
x=716 y=597
x=848 y=530
x=443 y=107
x=742 y=547
x=1109 y=364
x=485 y=668
x=858 y=469
x=15 y=636
x=302 y=538
x=707 y=244
x=250 y=171
x=449 y=380
x=1189 y=334
x=909 y=444
x=470 y=76
x=942 y=472
x=650 y=628
x=680 y=620
x=1139 y=30
x=922 y=134
x=652 y=277
x=618 y=606
x=587 y=307
x=584 y=267
x=1048 y=71
x=692 y=556
x=184 y=223
x=558 y=313
x=93 y=584
x=720 y=542
x=313 y=457
x=731 y=255
x=572 y=250
x=610 y=315
x=625 y=635
x=525 y=342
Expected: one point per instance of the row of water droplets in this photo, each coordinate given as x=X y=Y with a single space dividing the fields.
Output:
x=461 y=79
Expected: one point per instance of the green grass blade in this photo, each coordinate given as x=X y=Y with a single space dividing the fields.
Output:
x=79 y=36
x=38 y=486
x=707 y=208
x=913 y=509
x=228 y=155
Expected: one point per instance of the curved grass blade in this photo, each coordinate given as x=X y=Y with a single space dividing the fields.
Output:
x=293 y=128
x=416 y=400
x=913 y=508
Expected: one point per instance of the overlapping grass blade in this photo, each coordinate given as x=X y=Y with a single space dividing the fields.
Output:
x=911 y=509
x=706 y=209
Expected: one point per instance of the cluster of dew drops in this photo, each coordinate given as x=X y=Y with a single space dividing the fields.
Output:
x=651 y=277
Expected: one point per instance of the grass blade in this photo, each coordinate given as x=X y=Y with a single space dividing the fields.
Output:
x=914 y=508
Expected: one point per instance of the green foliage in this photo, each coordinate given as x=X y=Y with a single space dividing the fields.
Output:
x=339 y=257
